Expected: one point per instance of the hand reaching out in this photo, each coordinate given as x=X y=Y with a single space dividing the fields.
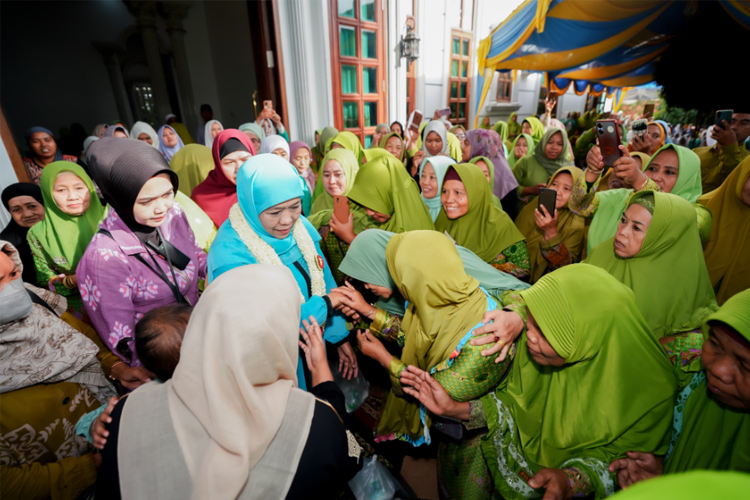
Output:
x=503 y=328
x=98 y=429
x=315 y=351
x=636 y=467
x=555 y=482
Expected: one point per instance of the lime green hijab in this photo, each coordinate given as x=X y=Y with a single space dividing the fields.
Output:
x=714 y=435
x=485 y=229
x=384 y=185
x=192 y=164
x=384 y=140
x=322 y=209
x=669 y=275
x=537 y=128
x=502 y=130
x=65 y=237
x=615 y=393
x=696 y=485
x=491 y=169
x=443 y=307
x=612 y=202
x=326 y=135
x=454 y=147
x=529 y=151
x=351 y=142
x=514 y=128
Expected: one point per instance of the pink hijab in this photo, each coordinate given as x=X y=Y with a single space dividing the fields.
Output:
x=309 y=175
x=489 y=144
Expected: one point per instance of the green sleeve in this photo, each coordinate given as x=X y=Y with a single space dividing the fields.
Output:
x=394 y=370
x=44 y=272
x=705 y=222
x=61 y=480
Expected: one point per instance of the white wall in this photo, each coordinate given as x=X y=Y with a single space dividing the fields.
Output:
x=7 y=177
x=570 y=102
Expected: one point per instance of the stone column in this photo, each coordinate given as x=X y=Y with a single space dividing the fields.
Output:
x=145 y=13
x=298 y=30
x=174 y=14
x=111 y=61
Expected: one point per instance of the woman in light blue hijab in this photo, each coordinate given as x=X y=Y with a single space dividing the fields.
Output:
x=431 y=174
x=266 y=226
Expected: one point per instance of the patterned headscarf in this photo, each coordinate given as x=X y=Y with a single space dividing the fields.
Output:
x=488 y=143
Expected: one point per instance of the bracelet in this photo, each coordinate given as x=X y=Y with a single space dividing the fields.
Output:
x=67 y=284
x=368 y=314
x=110 y=369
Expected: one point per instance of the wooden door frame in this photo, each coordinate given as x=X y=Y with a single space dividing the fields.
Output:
x=12 y=148
x=461 y=35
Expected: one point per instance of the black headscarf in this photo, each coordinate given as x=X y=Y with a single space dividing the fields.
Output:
x=120 y=168
x=16 y=234
x=230 y=146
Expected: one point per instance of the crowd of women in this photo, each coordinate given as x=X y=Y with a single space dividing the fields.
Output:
x=175 y=307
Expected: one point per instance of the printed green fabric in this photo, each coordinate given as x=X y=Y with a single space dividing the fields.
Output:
x=384 y=185
x=65 y=237
x=612 y=202
x=714 y=435
x=485 y=229
x=443 y=308
x=668 y=276
x=558 y=417
x=463 y=472
x=511 y=152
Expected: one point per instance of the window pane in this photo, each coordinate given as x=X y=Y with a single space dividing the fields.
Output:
x=464 y=66
x=348 y=79
x=456 y=45
x=368 y=10
x=466 y=47
x=351 y=115
x=371 y=114
x=368 y=141
x=454 y=108
x=346 y=8
x=463 y=90
x=348 y=38
x=462 y=111
x=454 y=90
x=369 y=80
x=454 y=68
x=368 y=44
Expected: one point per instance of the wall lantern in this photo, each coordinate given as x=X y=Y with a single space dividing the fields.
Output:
x=410 y=42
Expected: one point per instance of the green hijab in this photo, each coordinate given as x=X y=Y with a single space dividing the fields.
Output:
x=454 y=147
x=514 y=128
x=482 y=125
x=65 y=237
x=562 y=160
x=322 y=209
x=537 y=129
x=529 y=151
x=485 y=229
x=696 y=485
x=491 y=169
x=384 y=140
x=714 y=435
x=612 y=202
x=568 y=416
x=669 y=275
x=443 y=307
x=440 y=165
x=384 y=185
x=192 y=164
x=366 y=261
x=201 y=224
x=254 y=128
x=351 y=142
x=326 y=135
x=502 y=130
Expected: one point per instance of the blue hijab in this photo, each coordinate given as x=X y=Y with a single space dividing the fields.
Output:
x=665 y=126
x=440 y=165
x=165 y=150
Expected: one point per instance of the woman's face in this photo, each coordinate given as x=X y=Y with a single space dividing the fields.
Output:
x=465 y=150
x=267 y=127
x=397 y=128
x=71 y=194
x=279 y=220
x=301 y=160
x=554 y=146
x=538 y=345
x=727 y=364
x=380 y=291
x=428 y=182
x=485 y=170
x=169 y=137
x=460 y=134
x=119 y=133
x=334 y=179
x=25 y=210
x=145 y=138
x=317 y=138
x=486 y=120
x=281 y=152
x=654 y=132
x=381 y=218
x=664 y=169
x=434 y=143
x=522 y=147
x=232 y=162
x=526 y=128
x=43 y=145
x=216 y=129
x=454 y=199
x=745 y=197
x=563 y=184
x=154 y=201
x=9 y=271
x=393 y=146
x=514 y=118
x=632 y=231
x=254 y=139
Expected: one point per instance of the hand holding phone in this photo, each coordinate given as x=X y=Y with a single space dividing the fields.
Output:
x=640 y=127
x=547 y=199
x=723 y=115
x=415 y=121
x=545 y=215
x=608 y=136
x=268 y=106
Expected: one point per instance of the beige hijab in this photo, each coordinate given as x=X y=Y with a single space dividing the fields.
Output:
x=231 y=394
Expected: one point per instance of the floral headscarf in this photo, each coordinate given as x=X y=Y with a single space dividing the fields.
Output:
x=488 y=143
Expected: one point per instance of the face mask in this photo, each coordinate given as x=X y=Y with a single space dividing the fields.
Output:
x=16 y=302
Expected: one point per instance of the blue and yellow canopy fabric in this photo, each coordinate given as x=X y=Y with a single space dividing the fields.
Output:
x=594 y=45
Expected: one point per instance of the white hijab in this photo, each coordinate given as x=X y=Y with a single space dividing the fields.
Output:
x=437 y=127
x=144 y=128
x=273 y=142
x=207 y=132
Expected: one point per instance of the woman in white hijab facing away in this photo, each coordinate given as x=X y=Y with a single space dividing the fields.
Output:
x=231 y=422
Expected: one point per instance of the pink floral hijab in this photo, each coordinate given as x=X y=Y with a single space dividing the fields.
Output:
x=489 y=144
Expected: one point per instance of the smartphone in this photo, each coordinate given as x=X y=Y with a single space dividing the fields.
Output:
x=444 y=112
x=640 y=127
x=648 y=110
x=268 y=106
x=341 y=208
x=416 y=121
x=723 y=115
x=547 y=198
x=608 y=134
